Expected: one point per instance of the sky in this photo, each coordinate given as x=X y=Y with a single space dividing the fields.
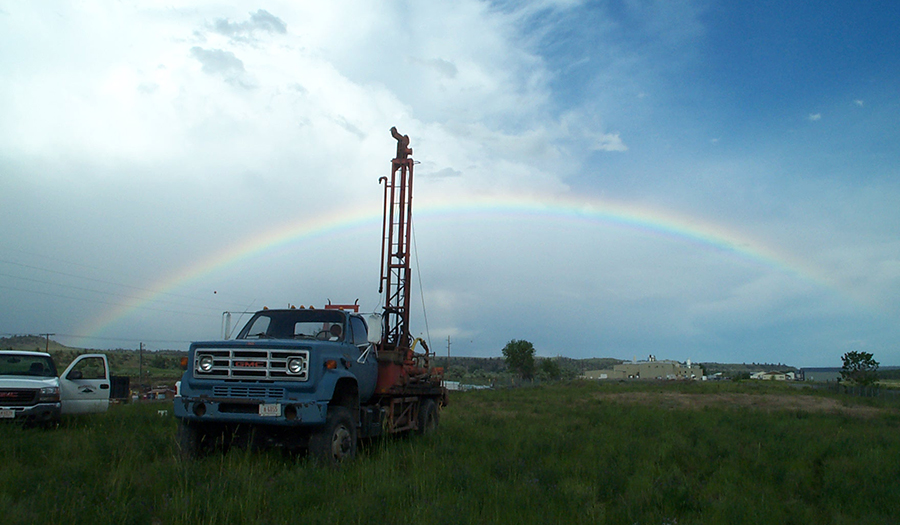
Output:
x=705 y=180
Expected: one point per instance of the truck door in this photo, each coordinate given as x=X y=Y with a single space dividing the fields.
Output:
x=366 y=366
x=84 y=385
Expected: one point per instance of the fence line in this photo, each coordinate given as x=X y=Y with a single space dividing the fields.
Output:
x=861 y=391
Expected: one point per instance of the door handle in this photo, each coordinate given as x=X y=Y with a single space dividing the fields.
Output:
x=104 y=386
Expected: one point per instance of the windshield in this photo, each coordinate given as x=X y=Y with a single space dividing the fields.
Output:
x=322 y=325
x=26 y=365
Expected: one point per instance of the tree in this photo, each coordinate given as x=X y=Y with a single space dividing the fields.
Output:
x=158 y=361
x=519 y=357
x=859 y=368
x=549 y=369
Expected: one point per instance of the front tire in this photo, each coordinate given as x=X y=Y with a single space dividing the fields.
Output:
x=336 y=441
x=192 y=440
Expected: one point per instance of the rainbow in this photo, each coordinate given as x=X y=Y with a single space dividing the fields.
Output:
x=278 y=238
x=646 y=221
x=642 y=219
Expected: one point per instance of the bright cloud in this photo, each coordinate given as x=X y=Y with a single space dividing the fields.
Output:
x=567 y=192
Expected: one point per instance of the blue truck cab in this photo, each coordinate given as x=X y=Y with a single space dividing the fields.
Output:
x=291 y=377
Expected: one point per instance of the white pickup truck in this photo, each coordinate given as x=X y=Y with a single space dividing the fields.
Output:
x=32 y=391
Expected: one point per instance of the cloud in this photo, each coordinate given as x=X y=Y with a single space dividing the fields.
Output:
x=349 y=127
x=814 y=117
x=441 y=66
x=148 y=88
x=511 y=105
x=443 y=174
x=609 y=142
x=260 y=21
x=217 y=61
x=222 y=63
x=859 y=102
x=583 y=130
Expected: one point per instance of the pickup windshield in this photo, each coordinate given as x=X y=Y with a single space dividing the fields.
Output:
x=322 y=325
x=26 y=365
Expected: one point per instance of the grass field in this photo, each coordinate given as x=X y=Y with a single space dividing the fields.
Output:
x=568 y=453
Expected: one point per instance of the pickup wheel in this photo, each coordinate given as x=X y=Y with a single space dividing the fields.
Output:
x=336 y=441
x=428 y=416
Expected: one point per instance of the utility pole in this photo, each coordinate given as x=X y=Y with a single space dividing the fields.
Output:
x=141 y=369
x=47 y=346
x=448 y=351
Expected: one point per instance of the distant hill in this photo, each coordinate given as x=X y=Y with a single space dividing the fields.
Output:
x=164 y=363
x=473 y=369
x=32 y=343
x=148 y=368
x=594 y=363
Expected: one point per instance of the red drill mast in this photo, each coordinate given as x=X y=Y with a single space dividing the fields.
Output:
x=395 y=244
x=399 y=365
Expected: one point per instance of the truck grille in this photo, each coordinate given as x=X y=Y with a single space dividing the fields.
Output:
x=257 y=364
x=18 y=396
x=247 y=391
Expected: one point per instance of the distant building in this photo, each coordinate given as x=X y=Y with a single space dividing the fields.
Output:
x=649 y=369
x=771 y=376
x=458 y=386
x=826 y=375
x=159 y=393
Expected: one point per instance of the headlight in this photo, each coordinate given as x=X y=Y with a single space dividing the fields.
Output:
x=296 y=365
x=49 y=394
x=205 y=364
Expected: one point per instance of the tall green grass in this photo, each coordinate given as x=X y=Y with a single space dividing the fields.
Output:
x=553 y=454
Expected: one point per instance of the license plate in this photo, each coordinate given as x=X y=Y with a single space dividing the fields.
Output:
x=270 y=410
x=7 y=414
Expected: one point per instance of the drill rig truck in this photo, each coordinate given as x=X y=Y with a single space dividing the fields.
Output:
x=320 y=379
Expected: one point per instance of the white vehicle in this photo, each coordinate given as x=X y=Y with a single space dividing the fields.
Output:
x=31 y=390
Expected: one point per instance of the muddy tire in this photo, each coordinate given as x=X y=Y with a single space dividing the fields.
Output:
x=335 y=442
x=191 y=440
x=429 y=417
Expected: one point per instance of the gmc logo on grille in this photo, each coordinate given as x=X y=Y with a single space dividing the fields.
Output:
x=250 y=364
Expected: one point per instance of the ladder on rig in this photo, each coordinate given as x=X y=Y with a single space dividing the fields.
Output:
x=395 y=247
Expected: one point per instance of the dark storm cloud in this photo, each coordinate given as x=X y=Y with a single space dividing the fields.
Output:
x=260 y=21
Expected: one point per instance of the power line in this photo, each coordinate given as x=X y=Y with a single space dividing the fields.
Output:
x=212 y=309
x=133 y=340
x=121 y=339
x=98 y=301
x=93 y=279
x=156 y=300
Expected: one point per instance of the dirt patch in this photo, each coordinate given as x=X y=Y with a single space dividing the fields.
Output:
x=799 y=402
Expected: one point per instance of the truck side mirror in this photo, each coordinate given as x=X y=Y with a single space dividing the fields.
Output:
x=375 y=323
x=74 y=374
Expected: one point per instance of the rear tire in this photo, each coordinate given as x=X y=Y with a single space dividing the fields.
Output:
x=334 y=443
x=429 y=417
